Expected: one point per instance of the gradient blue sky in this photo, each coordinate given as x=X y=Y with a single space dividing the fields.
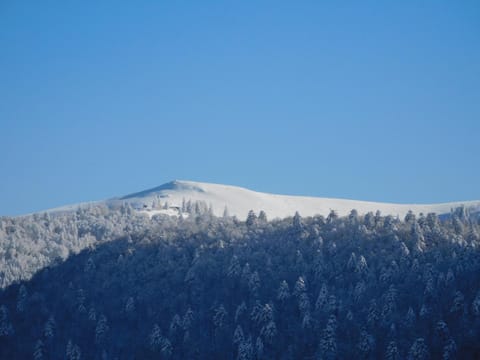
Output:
x=372 y=100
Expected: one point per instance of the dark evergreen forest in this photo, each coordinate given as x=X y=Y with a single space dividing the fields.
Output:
x=108 y=284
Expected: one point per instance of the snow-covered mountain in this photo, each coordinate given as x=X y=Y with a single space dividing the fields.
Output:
x=240 y=200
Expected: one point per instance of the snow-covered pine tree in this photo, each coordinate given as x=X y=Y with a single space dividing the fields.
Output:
x=234 y=269
x=251 y=219
x=187 y=320
x=22 y=298
x=297 y=221
x=300 y=286
x=130 y=306
x=262 y=217
x=419 y=350
x=238 y=335
x=458 y=305
x=328 y=342
x=476 y=304
x=245 y=349
x=392 y=352
x=49 y=329
x=259 y=348
x=410 y=318
x=283 y=293
x=269 y=332
x=6 y=327
x=322 y=299
x=254 y=284
x=240 y=311
x=366 y=345
x=38 y=351
x=101 y=329
x=155 y=338
x=450 y=350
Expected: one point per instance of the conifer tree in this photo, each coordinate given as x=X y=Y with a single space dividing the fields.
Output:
x=38 y=352
x=419 y=350
x=155 y=339
x=328 y=342
x=283 y=293
x=6 y=327
x=101 y=330
x=392 y=352
x=49 y=329
x=22 y=298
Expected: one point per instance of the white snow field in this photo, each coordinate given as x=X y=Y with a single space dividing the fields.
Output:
x=240 y=200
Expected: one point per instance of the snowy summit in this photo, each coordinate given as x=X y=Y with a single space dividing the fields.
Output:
x=170 y=199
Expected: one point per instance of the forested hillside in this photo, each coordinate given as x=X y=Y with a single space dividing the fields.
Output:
x=108 y=284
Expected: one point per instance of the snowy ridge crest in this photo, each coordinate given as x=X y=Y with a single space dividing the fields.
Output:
x=170 y=197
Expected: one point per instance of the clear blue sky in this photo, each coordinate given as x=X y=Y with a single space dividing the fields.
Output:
x=372 y=100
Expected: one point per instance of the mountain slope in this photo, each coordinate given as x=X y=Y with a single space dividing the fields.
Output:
x=240 y=200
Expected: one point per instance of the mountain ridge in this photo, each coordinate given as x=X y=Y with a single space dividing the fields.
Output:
x=168 y=199
x=239 y=201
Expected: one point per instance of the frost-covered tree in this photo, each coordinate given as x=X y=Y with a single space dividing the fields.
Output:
x=476 y=304
x=187 y=320
x=307 y=321
x=130 y=305
x=22 y=298
x=80 y=301
x=332 y=305
x=6 y=327
x=304 y=303
x=220 y=317
x=361 y=266
x=245 y=350
x=246 y=273
x=238 y=335
x=90 y=266
x=352 y=262
x=234 y=270
x=328 y=342
x=390 y=302
x=410 y=318
x=297 y=221
x=283 y=293
x=256 y=315
x=392 y=352
x=101 y=329
x=49 y=329
x=175 y=325
x=262 y=217
x=458 y=304
x=269 y=332
x=251 y=219
x=226 y=213
x=240 y=311
x=300 y=286
x=254 y=283
x=166 y=348
x=449 y=350
x=73 y=351
x=372 y=315
x=38 y=351
x=259 y=348
x=359 y=291
x=366 y=345
x=419 y=350
x=92 y=315
x=155 y=338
